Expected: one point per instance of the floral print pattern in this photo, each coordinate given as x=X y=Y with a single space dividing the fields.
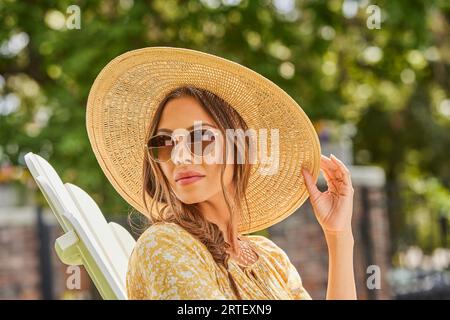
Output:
x=168 y=263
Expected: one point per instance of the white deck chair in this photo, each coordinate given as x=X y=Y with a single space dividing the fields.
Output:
x=103 y=248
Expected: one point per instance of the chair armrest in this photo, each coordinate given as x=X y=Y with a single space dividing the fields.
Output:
x=66 y=247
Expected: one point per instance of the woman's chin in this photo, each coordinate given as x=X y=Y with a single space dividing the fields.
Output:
x=191 y=197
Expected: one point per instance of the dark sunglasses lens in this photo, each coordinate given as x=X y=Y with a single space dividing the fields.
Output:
x=200 y=139
x=160 y=147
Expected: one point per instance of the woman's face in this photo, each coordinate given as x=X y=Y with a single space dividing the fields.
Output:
x=179 y=114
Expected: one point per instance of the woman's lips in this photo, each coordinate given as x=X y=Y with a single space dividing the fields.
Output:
x=189 y=180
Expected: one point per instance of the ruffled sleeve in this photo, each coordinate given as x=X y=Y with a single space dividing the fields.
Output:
x=295 y=284
x=168 y=264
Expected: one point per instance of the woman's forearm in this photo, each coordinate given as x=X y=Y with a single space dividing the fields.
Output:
x=341 y=278
x=333 y=209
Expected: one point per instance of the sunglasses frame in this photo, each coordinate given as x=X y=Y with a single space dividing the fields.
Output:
x=169 y=135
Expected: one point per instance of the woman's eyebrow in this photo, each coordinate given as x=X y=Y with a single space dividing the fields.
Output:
x=188 y=129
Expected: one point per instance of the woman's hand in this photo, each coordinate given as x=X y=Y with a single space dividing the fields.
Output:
x=334 y=207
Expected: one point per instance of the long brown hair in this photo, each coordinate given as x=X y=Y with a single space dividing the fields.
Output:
x=188 y=216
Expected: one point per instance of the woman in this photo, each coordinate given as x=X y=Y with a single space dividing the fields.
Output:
x=195 y=247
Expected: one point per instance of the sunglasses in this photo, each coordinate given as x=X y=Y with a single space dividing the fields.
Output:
x=160 y=146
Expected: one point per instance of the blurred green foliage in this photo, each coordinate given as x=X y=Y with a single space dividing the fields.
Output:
x=392 y=83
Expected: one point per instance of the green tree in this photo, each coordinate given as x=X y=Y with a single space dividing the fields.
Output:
x=392 y=82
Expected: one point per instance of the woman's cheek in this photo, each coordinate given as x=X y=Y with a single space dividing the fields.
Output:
x=212 y=177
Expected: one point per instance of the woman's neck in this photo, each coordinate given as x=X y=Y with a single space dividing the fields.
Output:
x=215 y=210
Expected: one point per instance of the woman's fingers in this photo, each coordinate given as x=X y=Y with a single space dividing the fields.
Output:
x=338 y=170
x=338 y=174
x=343 y=169
x=332 y=167
x=328 y=174
x=334 y=172
x=314 y=192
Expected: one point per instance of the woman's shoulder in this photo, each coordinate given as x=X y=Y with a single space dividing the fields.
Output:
x=165 y=234
x=268 y=246
x=278 y=258
x=168 y=238
x=164 y=262
x=262 y=241
x=166 y=229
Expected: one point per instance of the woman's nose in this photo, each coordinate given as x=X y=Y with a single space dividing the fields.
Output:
x=181 y=152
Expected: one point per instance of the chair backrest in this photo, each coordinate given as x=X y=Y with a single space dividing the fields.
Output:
x=116 y=253
x=109 y=245
x=91 y=252
x=41 y=168
x=127 y=242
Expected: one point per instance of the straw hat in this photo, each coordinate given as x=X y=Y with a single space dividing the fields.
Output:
x=127 y=91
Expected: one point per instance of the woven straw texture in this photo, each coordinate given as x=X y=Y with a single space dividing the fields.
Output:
x=127 y=91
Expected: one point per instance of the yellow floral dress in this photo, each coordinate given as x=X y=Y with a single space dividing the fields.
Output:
x=168 y=263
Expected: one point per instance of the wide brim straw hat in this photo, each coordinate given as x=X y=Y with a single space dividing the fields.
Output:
x=127 y=91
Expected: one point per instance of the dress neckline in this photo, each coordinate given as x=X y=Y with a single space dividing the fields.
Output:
x=241 y=237
x=255 y=250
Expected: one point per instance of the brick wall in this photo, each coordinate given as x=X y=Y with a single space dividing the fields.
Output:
x=20 y=264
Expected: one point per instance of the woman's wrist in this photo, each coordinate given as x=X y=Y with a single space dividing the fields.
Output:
x=341 y=237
